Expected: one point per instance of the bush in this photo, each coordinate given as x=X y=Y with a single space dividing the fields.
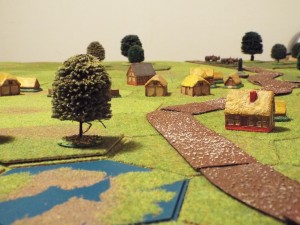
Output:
x=278 y=52
x=136 y=54
x=97 y=50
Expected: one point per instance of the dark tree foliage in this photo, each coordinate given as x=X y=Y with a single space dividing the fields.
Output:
x=278 y=52
x=252 y=44
x=295 y=50
x=136 y=54
x=129 y=41
x=81 y=91
x=298 y=62
x=97 y=50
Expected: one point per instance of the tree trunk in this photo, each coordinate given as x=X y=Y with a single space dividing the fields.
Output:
x=80 y=130
x=252 y=57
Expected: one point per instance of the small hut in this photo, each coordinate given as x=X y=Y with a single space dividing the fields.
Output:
x=250 y=110
x=233 y=81
x=194 y=85
x=139 y=73
x=206 y=73
x=31 y=83
x=156 y=86
x=9 y=85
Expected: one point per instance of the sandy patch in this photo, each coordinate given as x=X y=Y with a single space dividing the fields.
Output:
x=65 y=178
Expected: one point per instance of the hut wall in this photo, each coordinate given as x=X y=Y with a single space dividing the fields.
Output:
x=155 y=90
x=249 y=123
x=201 y=89
x=230 y=82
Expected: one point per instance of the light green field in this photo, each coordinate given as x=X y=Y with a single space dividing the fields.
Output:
x=27 y=131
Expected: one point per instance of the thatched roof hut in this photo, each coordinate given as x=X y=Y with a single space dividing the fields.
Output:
x=250 y=110
x=29 y=83
x=195 y=85
x=9 y=85
x=233 y=81
x=156 y=86
x=139 y=73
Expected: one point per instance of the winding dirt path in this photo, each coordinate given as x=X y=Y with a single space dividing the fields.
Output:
x=224 y=164
x=266 y=79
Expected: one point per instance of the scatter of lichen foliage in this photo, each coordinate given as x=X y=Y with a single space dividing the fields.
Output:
x=131 y=196
x=12 y=183
x=81 y=90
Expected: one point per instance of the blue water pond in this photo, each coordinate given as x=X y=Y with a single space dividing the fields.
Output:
x=13 y=210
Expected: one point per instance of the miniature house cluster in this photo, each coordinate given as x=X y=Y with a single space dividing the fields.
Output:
x=144 y=74
x=198 y=83
x=250 y=110
x=11 y=85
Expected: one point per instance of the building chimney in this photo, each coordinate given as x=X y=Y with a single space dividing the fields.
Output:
x=253 y=96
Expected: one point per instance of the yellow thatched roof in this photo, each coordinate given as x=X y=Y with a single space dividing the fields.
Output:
x=238 y=102
x=28 y=82
x=6 y=76
x=158 y=78
x=202 y=71
x=209 y=71
x=280 y=107
x=192 y=80
x=235 y=77
x=218 y=76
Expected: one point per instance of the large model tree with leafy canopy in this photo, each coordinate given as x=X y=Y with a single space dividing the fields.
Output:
x=136 y=54
x=81 y=91
x=129 y=41
x=295 y=50
x=252 y=44
x=97 y=50
x=278 y=52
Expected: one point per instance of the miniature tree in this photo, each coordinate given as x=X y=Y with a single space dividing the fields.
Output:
x=97 y=50
x=81 y=91
x=136 y=54
x=278 y=52
x=252 y=44
x=295 y=50
x=129 y=41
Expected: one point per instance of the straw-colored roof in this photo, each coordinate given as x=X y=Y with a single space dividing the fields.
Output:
x=158 y=78
x=192 y=80
x=280 y=107
x=209 y=71
x=238 y=102
x=6 y=76
x=218 y=75
x=28 y=82
x=235 y=77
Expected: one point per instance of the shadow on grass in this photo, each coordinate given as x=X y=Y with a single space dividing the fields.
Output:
x=6 y=139
x=280 y=129
x=125 y=147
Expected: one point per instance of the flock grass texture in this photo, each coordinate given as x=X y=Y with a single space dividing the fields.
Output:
x=27 y=131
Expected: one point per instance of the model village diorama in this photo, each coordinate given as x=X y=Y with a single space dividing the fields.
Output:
x=80 y=178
